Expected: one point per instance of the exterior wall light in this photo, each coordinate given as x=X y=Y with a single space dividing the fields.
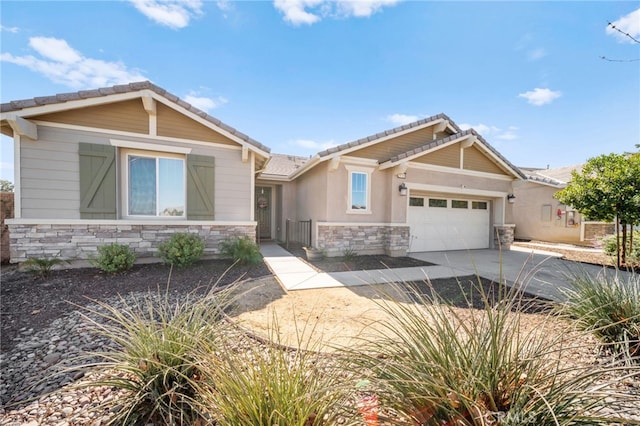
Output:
x=402 y=175
x=511 y=198
x=403 y=189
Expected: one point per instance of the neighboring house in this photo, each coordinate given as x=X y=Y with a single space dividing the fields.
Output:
x=539 y=216
x=129 y=164
x=424 y=186
x=133 y=164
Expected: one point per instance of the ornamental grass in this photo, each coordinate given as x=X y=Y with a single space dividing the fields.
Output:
x=439 y=365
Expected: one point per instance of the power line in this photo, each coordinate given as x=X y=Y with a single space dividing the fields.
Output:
x=623 y=33
x=619 y=60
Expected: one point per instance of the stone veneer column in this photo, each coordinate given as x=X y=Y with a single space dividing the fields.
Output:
x=503 y=236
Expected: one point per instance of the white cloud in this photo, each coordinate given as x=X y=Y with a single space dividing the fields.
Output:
x=204 y=103
x=9 y=29
x=174 y=14
x=539 y=96
x=402 y=119
x=314 y=145
x=361 y=8
x=63 y=64
x=536 y=54
x=627 y=24
x=492 y=132
x=508 y=135
x=307 y=12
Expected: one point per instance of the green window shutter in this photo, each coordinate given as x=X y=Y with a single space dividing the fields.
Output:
x=97 y=181
x=200 y=187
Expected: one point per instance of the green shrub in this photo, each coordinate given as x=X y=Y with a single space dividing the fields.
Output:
x=42 y=267
x=609 y=307
x=114 y=258
x=633 y=251
x=182 y=249
x=155 y=357
x=242 y=250
x=349 y=254
x=437 y=364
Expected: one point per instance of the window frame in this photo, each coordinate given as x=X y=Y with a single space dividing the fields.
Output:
x=125 y=154
x=367 y=172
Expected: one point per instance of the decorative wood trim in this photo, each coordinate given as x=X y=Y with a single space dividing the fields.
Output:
x=22 y=127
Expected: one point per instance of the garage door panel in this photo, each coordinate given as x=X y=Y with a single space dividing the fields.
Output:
x=440 y=228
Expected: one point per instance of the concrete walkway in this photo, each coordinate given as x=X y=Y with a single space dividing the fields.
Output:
x=539 y=274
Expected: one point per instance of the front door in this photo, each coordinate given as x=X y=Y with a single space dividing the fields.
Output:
x=263 y=212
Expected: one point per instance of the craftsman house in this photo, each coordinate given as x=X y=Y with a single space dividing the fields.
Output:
x=134 y=163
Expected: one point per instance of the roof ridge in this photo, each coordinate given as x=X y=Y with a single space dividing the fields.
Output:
x=127 y=88
x=389 y=132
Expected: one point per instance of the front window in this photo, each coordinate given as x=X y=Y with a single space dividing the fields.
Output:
x=359 y=191
x=155 y=186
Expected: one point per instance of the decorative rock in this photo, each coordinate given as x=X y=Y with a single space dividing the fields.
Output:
x=51 y=358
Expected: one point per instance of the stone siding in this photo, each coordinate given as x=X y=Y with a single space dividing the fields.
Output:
x=81 y=241
x=503 y=236
x=594 y=231
x=6 y=212
x=334 y=240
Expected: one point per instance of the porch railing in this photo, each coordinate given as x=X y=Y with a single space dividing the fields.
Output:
x=298 y=231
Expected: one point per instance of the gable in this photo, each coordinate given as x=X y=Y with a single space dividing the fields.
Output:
x=173 y=124
x=446 y=157
x=473 y=159
x=125 y=116
x=384 y=150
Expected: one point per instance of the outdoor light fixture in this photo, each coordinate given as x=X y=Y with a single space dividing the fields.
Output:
x=403 y=189
x=402 y=175
x=511 y=198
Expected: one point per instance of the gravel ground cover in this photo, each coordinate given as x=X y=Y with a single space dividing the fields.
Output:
x=42 y=333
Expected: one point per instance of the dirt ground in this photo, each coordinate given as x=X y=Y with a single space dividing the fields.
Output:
x=333 y=316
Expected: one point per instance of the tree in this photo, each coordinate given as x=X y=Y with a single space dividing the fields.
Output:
x=607 y=189
x=5 y=186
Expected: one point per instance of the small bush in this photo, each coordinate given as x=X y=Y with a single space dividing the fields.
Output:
x=114 y=258
x=633 y=251
x=242 y=250
x=609 y=307
x=155 y=356
x=349 y=254
x=42 y=267
x=182 y=249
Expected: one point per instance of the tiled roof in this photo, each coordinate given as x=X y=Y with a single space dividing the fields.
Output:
x=559 y=176
x=284 y=165
x=126 y=88
x=386 y=133
x=442 y=141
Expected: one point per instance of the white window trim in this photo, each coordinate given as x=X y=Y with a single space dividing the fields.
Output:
x=351 y=169
x=124 y=156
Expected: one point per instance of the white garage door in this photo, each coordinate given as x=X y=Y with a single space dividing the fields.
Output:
x=442 y=223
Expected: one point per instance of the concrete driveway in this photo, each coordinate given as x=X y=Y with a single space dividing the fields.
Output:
x=539 y=274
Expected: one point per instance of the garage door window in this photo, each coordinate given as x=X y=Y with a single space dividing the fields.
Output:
x=437 y=202
x=479 y=205
x=416 y=201
x=460 y=204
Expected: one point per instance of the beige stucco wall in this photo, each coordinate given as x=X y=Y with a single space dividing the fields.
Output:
x=311 y=194
x=49 y=178
x=527 y=215
x=338 y=195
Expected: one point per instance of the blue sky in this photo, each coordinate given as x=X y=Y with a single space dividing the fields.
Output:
x=302 y=75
